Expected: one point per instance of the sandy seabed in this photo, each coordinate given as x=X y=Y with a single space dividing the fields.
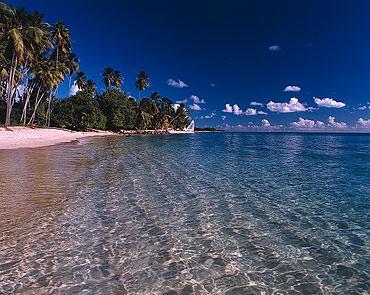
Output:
x=25 y=137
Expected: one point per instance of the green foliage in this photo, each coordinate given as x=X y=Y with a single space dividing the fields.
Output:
x=79 y=112
x=119 y=109
x=181 y=119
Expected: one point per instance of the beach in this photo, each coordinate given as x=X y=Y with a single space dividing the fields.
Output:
x=26 y=137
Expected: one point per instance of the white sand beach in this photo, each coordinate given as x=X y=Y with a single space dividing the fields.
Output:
x=25 y=137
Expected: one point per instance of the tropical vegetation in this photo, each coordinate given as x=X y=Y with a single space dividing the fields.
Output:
x=37 y=57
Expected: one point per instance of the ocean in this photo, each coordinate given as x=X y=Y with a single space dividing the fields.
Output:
x=204 y=213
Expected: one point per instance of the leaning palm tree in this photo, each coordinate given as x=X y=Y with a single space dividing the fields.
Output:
x=142 y=82
x=33 y=57
x=108 y=77
x=21 y=40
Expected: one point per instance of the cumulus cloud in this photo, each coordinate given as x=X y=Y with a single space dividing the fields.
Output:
x=74 y=88
x=292 y=89
x=236 y=110
x=175 y=106
x=287 y=107
x=182 y=101
x=196 y=99
x=303 y=123
x=251 y=112
x=334 y=124
x=223 y=118
x=363 y=123
x=177 y=83
x=256 y=104
x=195 y=107
x=274 y=48
x=212 y=85
x=265 y=123
x=228 y=108
x=328 y=103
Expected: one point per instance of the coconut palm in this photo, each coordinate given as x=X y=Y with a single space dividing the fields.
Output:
x=108 y=77
x=117 y=79
x=62 y=41
x=90 y=87
x=72 y=63
x=22 y=41
x=142 y=82
x=81 y=80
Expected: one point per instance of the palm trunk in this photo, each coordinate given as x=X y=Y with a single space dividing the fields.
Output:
x=49 y=110
x=9 y=101
x=37 y=102
x=26 y=103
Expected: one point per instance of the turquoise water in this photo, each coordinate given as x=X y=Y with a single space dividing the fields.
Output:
x=229 y=213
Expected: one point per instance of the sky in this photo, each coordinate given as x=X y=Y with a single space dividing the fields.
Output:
x=237 y=65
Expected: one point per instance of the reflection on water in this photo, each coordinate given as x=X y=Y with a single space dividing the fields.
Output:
x=202 y=214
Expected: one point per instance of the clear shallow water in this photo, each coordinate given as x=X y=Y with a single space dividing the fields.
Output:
x=202 y=214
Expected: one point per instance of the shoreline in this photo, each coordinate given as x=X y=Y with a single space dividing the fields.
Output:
x=26 y=137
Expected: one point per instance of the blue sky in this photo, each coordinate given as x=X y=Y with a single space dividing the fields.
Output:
x=232 y=52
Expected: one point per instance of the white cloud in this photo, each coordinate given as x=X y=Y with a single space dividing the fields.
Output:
x=250 y=112
x=265 y=123
x=212 y=85
x=210 y=116
x=303 y=123
x=175 y=106
x=177 y=83
x=256 y=104
x=74 y=88
x=283 y=107
x=195 y=107
x=196 y=99
x=292 y=89
x=223 y=118
x=236 y=110
x=228 y=108
x=274 y=48
x=182 y=101
x=363 y=123
x=361 y=108
x=332 y=123
x=328 y=103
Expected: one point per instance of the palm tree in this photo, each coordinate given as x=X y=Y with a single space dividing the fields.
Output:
x=142 y=82
x=81 y=80
x=155 y=97
x=90 y=87
x=108 y=77
x=62 y=40
x=21 y=42
x=72 y=63
x=117 y=79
